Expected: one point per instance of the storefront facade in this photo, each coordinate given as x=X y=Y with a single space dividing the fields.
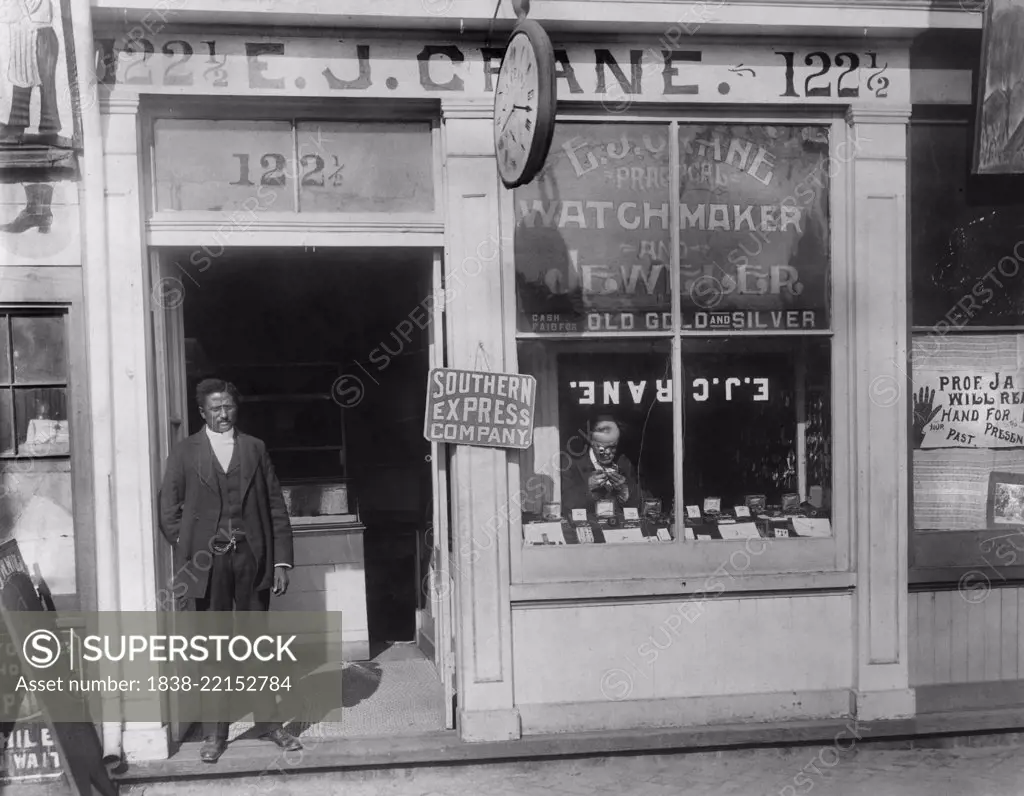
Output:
x=718 y=255
x=46 y=430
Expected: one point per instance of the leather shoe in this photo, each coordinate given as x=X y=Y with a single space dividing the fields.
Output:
x=283 y=739
x=212 y=749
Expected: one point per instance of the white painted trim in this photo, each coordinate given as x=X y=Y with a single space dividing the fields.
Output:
x=647 y=590
x=699 y=334
x=676 y=353
x=893 y=115
x=876 y=246
x=119 y=102
x=668 y=113
x=480 y=726
x=467 y=108
x=283 y=230
x=683 y=711
x=877 y=705
x=844 y=378
x=507 y=274
x=656 y=15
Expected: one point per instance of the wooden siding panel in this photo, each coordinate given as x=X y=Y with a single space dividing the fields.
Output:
x=955 y=640
x=1008 y=635
x=943 y=636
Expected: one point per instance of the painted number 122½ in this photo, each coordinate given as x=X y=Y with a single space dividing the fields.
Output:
x=848 y=62
x=275 y=174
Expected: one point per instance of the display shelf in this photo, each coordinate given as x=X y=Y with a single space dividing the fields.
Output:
x=289 y=406
x=332 y=522
x=321 y=504
x=287 y=398
x=294 y=448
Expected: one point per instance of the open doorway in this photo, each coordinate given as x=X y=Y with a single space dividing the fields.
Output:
x=330 y=350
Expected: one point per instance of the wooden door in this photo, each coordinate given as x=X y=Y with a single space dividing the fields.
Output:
x=434 y=626
x=167 y=295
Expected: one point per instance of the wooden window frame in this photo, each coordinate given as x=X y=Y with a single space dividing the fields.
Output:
x=961 y=559
x=705 y=567
x=283 y=229
x=57 y=290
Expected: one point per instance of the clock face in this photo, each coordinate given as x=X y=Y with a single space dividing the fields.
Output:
x=524 y=106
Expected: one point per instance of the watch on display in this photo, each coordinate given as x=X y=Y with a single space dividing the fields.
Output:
x=756 y=503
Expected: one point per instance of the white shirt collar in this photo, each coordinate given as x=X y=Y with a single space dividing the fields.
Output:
x=224 y=437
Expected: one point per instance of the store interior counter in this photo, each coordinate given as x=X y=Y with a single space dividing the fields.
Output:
x=330 y=575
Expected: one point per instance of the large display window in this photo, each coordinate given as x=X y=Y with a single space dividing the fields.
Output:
x=674 y=302
x=965 y=374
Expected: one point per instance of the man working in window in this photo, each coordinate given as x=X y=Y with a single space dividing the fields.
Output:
x=601 y=474
x=220 y=495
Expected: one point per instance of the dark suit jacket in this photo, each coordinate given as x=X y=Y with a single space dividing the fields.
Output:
x=191 y=507
x=576 y=490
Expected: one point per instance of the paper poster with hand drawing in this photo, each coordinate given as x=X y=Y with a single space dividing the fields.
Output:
x=968 y=409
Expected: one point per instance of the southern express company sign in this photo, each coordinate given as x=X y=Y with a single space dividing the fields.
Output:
x=670 y=69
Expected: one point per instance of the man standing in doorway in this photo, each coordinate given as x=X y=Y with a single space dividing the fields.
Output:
x=220 y=494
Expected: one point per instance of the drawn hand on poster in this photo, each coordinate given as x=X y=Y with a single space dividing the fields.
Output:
x=924 y=413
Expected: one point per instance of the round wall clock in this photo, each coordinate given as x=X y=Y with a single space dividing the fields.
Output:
x=525 y=100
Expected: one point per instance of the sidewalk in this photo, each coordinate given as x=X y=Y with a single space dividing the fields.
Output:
x=256 y=760
x=960 y=753
x=987 y=771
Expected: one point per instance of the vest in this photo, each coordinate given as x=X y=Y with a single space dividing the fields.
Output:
x=230 y=485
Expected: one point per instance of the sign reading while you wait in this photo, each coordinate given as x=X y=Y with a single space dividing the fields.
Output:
x=466 y=407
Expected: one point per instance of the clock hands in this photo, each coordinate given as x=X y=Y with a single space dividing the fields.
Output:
x=508 y=119
x=512 y=113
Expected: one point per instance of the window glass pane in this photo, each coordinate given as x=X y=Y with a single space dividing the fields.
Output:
x=754 y=226
x=41 y=420
x=757 y=431
x=366 y=167
x=224 y=166
x=36 y=510
x=600 y=469
x=966 y=250
x=592 y=240
x=5 y=352
x=39 y=353
x=966 y=235
x=6 y=424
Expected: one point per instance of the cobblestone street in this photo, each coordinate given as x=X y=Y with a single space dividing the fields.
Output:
x=826 y=770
